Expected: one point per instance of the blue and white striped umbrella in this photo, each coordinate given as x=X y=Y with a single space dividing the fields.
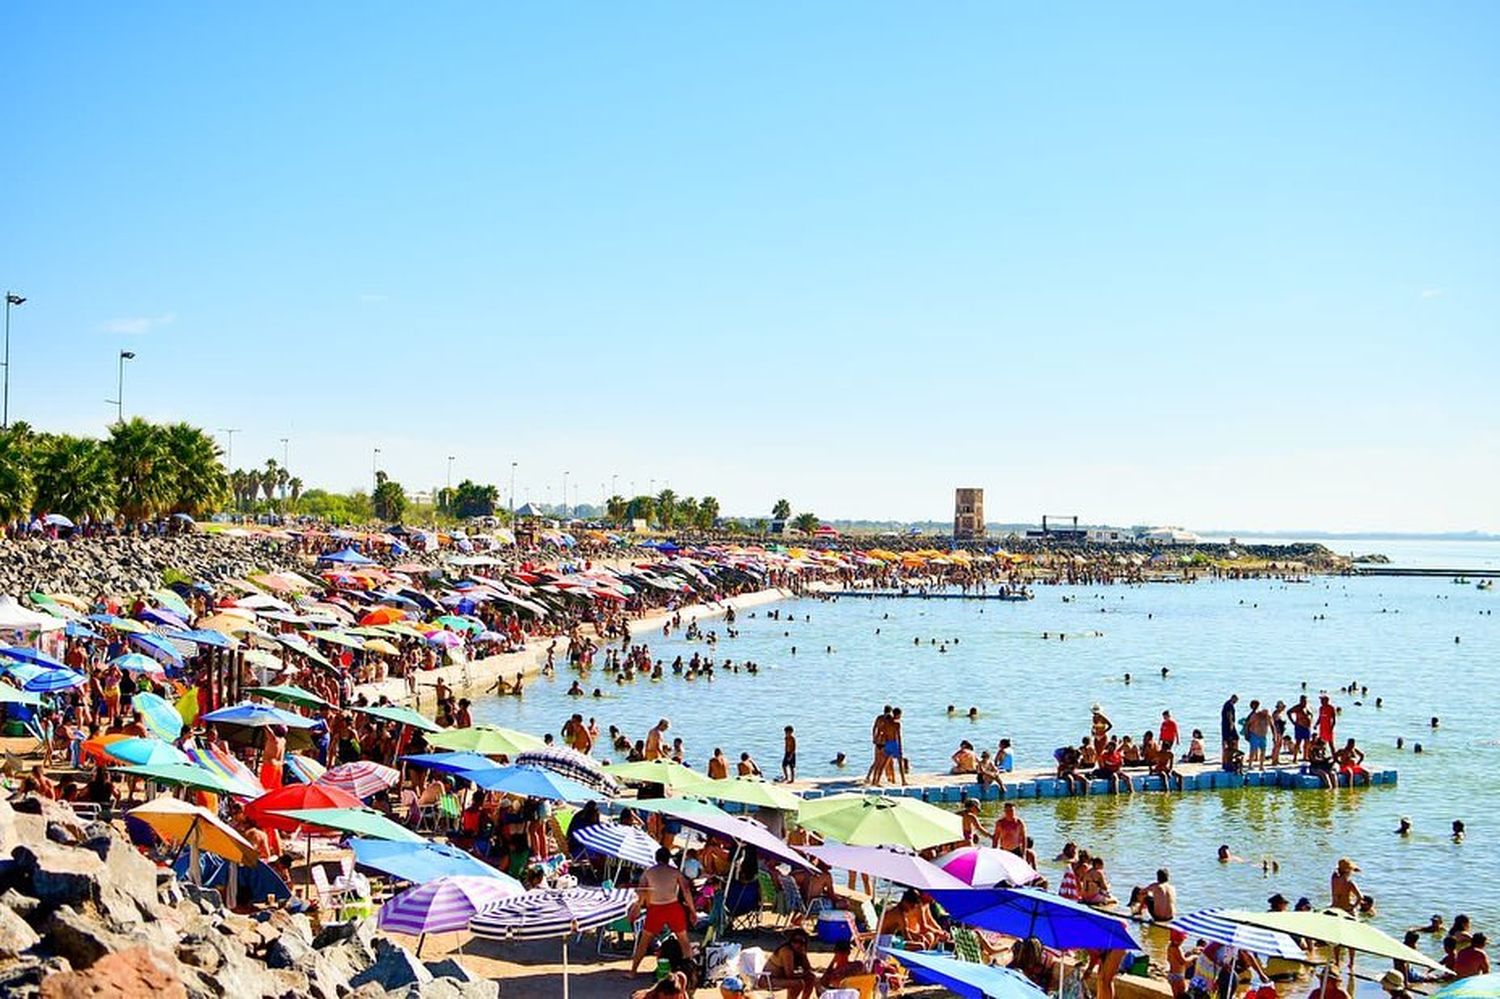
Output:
x=50 y=680
x=443 y=905
x=625 y=843
x=1207 y=924
x=551 y=912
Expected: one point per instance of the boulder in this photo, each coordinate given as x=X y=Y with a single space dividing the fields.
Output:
x=394 y=968
x=132 y=973
x=81 y=940
x=23 y=979
x=16 y=935
x=115 y=878
x=22 y=905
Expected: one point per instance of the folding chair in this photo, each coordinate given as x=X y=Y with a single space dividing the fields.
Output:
x=330 y=899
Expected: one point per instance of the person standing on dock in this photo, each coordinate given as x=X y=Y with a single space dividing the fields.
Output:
x=1301 y=716
x=1229 y=731
x=1327 y=718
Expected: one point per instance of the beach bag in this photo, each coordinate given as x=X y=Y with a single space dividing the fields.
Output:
x=721 y=959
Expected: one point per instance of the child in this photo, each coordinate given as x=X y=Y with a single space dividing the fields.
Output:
x=789 y=756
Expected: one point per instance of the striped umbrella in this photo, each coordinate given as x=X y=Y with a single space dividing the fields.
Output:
x=625 y=843
x=51 y=680
x=571 y=764
x=442 y=905
x=304 y=769
x=1207 y=924
x=986 y=867
x=552 y=912
x=362 y=778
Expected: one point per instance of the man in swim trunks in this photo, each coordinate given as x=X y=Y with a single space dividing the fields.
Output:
x=1257 y=728
x=668 y=900
x=1327 y=715
x=1010 y=832
x=1167 y=736
x=1346 y=893
x=654 y=748
x=894 y=761
x=1229 y=730
x=1301 y=716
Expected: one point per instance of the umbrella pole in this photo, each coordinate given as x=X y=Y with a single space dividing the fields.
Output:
x=194 y=858
x=565 y=968
x=421 y=939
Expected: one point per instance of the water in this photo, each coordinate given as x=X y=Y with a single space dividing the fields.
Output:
x=1260 y=639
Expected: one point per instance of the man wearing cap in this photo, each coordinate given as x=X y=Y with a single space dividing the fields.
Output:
x=1346 y=894
x=1278 y=903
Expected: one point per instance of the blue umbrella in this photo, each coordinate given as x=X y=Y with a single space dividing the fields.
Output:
x=625 y=843
x=419 y=862
x=162 y=720
x=347 y=557
x=460 y=762
x=1027 y=912
x=256 y=716
x=964 y=978
x=145 y=751
x=24 y=654
x=158 y=648
x=204 y=636
x=51 y=680
x=159 y=615
x=533 y=782
x=134 y=662
x=74 y=629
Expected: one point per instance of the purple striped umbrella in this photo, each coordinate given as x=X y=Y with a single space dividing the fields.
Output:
x=443 y=905
x=362 y=778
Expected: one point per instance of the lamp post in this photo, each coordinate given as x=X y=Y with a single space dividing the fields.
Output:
x=11 y=298
x=513 y=496
x=286 y=448
x=229 y=433
x=119 y=399
x=374 y=473
x=565 y=494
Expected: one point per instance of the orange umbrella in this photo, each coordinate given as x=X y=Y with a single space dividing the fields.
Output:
x=383 y=615
x=93 y=749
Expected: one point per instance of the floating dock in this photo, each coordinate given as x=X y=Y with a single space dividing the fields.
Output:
x=952 y=789
x=939 y=595
x=1391 y=570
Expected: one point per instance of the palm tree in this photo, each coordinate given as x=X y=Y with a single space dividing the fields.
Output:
x=15 y=475
x=782 y=510
x=73 y=477
x=708 y=513
x=641 y=508
x=806 y=522
x=145 y=473
x=616 y=506
x=687 y=512
x=200 y=484
x=666 y=508
x=282 y=478
x=294 y=484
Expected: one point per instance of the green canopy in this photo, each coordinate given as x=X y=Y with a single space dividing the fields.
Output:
x=338 y=638
x=358 y=821
x=184 y=775
x=753 y=791
x=288 y=694
x=685 y=808
x=670 y=775
x=1336 y=931
x=487 y=740
x=872 y=820
x=15 y=695
x=402 y=716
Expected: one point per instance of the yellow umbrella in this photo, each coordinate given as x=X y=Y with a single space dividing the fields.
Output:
x=228 y=624
x=180 y=823
x=382 y=646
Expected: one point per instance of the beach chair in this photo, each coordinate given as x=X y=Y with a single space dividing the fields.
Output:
x=791 y=900
x=966 y=946
x=449 y=812
x=771 y=899
x=330 y=899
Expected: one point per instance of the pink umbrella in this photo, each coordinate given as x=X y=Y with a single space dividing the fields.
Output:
x=986 y=867
x=891 y=865
x=362 y=778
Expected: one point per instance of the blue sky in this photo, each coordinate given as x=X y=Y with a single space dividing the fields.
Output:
x=1213 y=265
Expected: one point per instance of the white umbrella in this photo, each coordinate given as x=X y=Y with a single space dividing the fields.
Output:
x=552 y=912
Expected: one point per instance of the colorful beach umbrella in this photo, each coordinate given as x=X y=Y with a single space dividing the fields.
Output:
x=145 y=751
x=531 y=782
x=15 y=695
x=986 y=867
x=673 y=776
x=424 y=861
x=50 y=681
x=182 y=824
x=550 y=913
x=754 y=791
x=571 y=764
x=160 y=649
x=26 y=654
x=265 y=811
x=161 y=718
x=362 y=778
x=442 y=905
x=873 y=820
x=355 y=821
x=1473 y=987
x=182 y=775
x=1028 y=912
x=1209 y=925
x=626 y=843
x=304 y=769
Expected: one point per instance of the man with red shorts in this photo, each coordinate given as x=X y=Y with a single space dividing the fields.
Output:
x=668 y=900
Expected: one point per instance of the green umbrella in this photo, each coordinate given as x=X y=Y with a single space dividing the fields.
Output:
x=358 y=821
x=1336 y=931
x=403 y=716
x=753 y=791
x=872 y=820
x=487 y=740
x=172 y=602
x=670 y=775
x=459 y=623
x=339 y=638
x=288 y=694
x=184 y=775
x=15 y=695
x=683 y=808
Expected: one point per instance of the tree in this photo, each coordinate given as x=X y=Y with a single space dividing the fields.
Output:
x=687 y=512
x=641 y=508
x=666 y=509
x=469 y=499
x=615 y=507
x=295 y=485
x=708 y=513
x=199 y=484
x=145 y=472
x=72 y=476
x=782 y=510
x=15 y=475
x=389 y=499
x=268 y=479
x=806 y=522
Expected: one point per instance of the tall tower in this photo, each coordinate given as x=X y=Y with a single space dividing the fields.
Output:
x=968 y=513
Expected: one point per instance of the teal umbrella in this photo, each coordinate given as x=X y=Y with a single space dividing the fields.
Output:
x=145 y=751
x=162 y=719
x=357 y=821
x=185 y=775
x=289 y=694
x=1473 y=987
x=402 y=716
x=14 y=695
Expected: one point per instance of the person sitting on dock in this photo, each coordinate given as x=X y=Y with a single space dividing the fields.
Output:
x=1111 y=768
x=1320 y=764
x=1194 y=752
x=1093 y=886
x=1067 y=771
x=1350 y=761
x=964 y=760
x=988 y=773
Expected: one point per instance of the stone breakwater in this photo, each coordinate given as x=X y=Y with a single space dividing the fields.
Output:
x=83 y=913
x=122 y=565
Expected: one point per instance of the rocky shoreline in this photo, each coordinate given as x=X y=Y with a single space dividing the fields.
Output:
x=83 y=913
x=125 y=564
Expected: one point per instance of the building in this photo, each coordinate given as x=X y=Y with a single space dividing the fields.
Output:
x=968 y=513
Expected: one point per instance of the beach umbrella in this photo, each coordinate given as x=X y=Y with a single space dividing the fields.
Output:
x=382 y=647
x=986 y=867
x=56 y=520
x=205 y=636
x=134 y=662
x=145 y=751
x=180 y=823
x=1027 y=912
x=158 y=615
x=289 y=694
x=571 y=764
x=26 y=654
x=183 y=775
x=906 y=869
x=552 y=912
x=625 y=843
x=459 y=762
x=14 y=695
x=442 y=905
x=402 y=716
x=161 y=718
x=265 y=810
x=362 y=778
x=447 y=639
x=531 y=782
x=711 y=818
x=347 y=556
x=227 y=624
x=172 y=601
x=51 y=680
x=1336 y=931
x=965 y=978
x=669 y=774
x=226 y=765
x=1473 y=987
x=487 y=739
x=459 y=623
x=755 y=791
x=338 y=638
x=357 y=821
x=76 y=629
x=243 y=724
x=424 y=861
x=160 y=649
x=872 y=820
x=304 y=769
x=1210 y=926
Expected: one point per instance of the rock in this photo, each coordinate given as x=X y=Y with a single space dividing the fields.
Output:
x=115 y=878
x=394 y=968
x=16 y=935
x=23 y=979
x=59 y=833
x=22 y=905
x=449 y=967
x=287 y=951
x=132 y=973
x=333 y=933
x=82 y=941
x=9 y=837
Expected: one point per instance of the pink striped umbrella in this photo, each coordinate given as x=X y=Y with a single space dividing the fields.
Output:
x=986 y=867
x=362 y=778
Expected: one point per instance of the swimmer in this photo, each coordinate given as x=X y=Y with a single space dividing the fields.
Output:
x=973 y=713
x=839 y=761
x=1458 y=830
x=1416 y=747
x=1127 y=678
x=1434 y=722
x=1225 y=857
x=1403 y=828
x=1164 y=672
x=952 y=710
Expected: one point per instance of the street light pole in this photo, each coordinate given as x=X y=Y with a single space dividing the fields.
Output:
x=513 y=497
x=374 y=473
x=565 y=494
x=229 y=432
x=450 y=472
x=286 y=447
x=119 y=399
x=11 y=298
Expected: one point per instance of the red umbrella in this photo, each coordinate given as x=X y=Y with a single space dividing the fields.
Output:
x=293 y=797
x=382 y=615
